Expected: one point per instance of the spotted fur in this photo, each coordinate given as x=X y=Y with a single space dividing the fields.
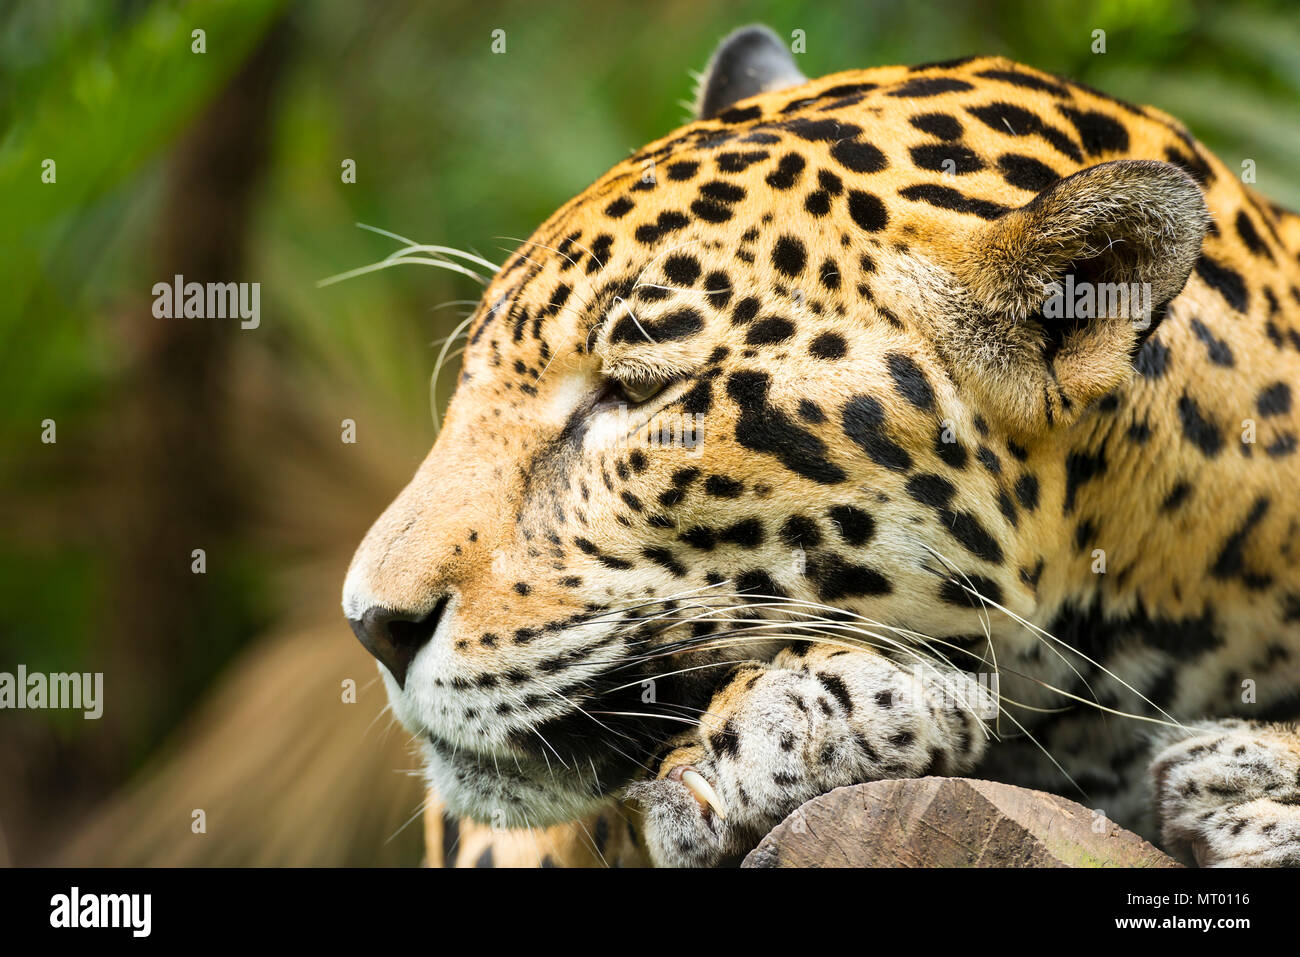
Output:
x=909 y=471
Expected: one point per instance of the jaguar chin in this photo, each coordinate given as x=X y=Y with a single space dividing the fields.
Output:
x=516 y=790
x=511 y=751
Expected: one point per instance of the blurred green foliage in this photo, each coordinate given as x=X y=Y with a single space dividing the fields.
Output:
x=453 y=144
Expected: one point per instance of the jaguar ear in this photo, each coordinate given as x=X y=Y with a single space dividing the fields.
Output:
x=749 y=61
x=1130 y=221
x=1067 y=288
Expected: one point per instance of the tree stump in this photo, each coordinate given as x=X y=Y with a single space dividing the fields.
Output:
x=949 y=822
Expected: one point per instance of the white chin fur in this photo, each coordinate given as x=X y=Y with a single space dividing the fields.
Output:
x=501 y=790
x=498 y=793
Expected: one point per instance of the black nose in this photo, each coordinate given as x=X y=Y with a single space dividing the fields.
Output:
x=394 y=636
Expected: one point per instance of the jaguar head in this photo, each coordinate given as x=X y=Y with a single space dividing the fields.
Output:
x=769 y=376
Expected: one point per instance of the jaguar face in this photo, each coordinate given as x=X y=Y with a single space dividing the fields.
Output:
x=650 y=446
x=758 y=377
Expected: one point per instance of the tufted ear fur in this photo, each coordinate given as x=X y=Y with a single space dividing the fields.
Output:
x=1064 y=290
x=747 y=62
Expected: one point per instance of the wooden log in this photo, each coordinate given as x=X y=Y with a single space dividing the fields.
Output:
x=949 y=822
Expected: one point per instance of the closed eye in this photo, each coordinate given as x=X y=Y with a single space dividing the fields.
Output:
x=637 y=391
x=630 y=391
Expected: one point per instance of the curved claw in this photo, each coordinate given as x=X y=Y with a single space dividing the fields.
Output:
x=700 y=789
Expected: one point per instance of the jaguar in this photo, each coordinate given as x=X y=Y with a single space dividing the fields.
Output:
x=928 y=420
